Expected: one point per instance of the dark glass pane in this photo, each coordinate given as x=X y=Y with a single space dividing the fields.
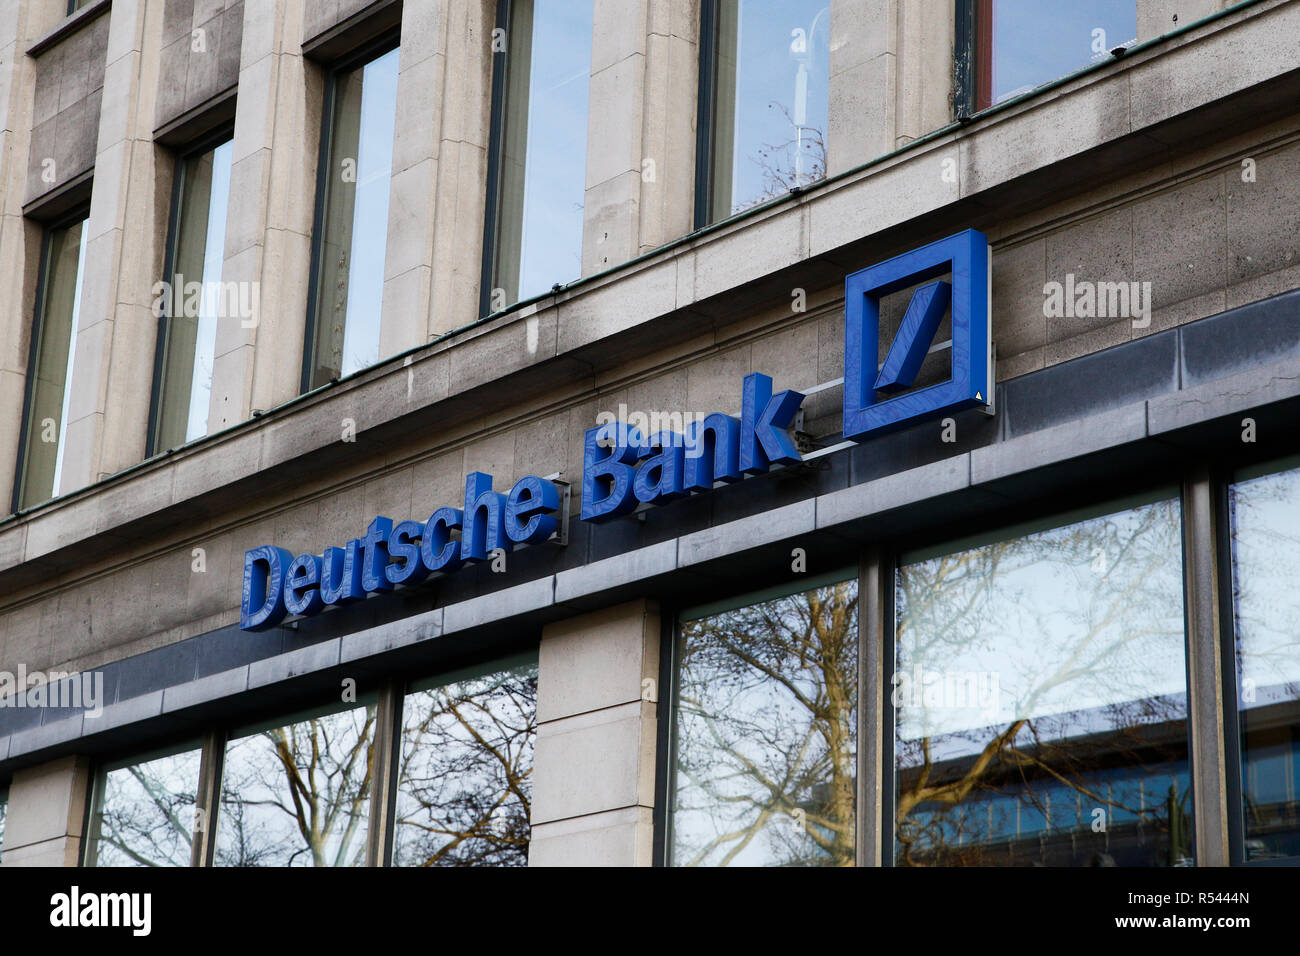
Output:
x=50 y=379
x=1040 y=699
x=544 y=146
x=766 y=733
x=1266 y=566
x=298 y=794
x=1033 y=43
x=354 y=220
x=146 y=812
x=464 y=792
x=771 y=101
x=197 y=298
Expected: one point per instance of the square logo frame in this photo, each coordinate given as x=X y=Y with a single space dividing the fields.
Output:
x=967 y=256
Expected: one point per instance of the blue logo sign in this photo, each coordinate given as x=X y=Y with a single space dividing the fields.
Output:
x=871 y=402
x=623 y=469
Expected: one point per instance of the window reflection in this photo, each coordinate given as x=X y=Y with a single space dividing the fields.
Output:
x=1266 y=564
x=1026 y=43
x=771 y=101
x=50 y=381
x=198 y=299
x=145 y=812
x=354 y=220
x=465 y=786
x=298 y=794
x=542 y=175
x=765 y=734
x=1040 y=698
x=4 y=807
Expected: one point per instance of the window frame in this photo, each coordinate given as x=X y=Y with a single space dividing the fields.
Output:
x=209 y=141
x=79 y=213
x=1234 y=752
x=371 y=50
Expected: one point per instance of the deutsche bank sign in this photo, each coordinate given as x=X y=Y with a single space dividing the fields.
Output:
x=624 y=469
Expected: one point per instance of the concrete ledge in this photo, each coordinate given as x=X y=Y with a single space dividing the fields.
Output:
x=771 y=526
x=205 y=689
x=508 y=602
x=610 y=573
x=895 y=491
x=46 y=735
x=387 y=637
x=305 y=660
x=129 y=711
x=1223 y=396
x=1058 y=444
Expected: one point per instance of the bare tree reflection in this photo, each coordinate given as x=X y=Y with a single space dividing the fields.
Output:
x=464 y=794
x=147 y=813
x=299 y=795
x=767 y=706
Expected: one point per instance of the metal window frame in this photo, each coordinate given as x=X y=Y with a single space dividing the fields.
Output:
x=705 y=109
x=79 y=213
x=1234 y=755
x=496 y=144
x=371 y=50
x=219 y=135
x=1213 y=750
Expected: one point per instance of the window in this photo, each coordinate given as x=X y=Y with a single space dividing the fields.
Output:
x=1040 y=697
x=1022 y=44
x=75 y=5
x=539 y=145
x=144 y=811
x=352 y=219
x=764 y=102
x=1265 y=536
x=464 y=790
x=297 y=792
x=189 y=314
x=50 y=367
x=4 y=807
x=765 y=732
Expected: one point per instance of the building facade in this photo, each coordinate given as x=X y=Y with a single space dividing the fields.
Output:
x=442 y=432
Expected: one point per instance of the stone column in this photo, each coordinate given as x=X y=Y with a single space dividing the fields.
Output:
x=269 y=221
x=47 y=809
x=594 y=768
x=108 y=412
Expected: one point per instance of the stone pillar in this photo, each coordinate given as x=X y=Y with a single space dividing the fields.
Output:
x=640 y=128
x=108 y=412
x=21 y=22
x=47 y=809
x=269 y=221
x=594 y=767
x=465 y=108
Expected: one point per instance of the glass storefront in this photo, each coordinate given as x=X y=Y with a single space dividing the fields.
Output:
x=765 y=731
x=1265 y=539
x=1040 y=697
x=464 y=790
x=145 y=811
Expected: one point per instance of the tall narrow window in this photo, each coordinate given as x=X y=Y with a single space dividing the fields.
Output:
x=194 y=298
x=49 y=371
x=540 y=145
x=1265 y=512
x=1040 y=697
x=352 y=219
x=4 y=809
x=765 y=732
x=765 y=102
x=144 y=811
x=297 y=792
x=1023 y=44
x=464 y=790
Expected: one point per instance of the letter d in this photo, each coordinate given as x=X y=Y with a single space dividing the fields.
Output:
x=263 y=603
